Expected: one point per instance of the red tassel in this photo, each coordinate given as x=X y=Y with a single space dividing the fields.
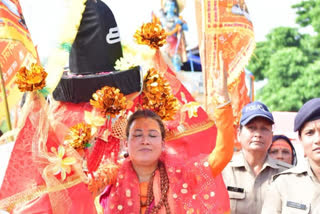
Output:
x=96 y=155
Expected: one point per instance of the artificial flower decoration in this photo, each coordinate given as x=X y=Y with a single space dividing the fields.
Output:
x=151 y=34
x=109 y=101
x=31 y=80
x=59 y=163
x=158 y=97
x=94 y=121
x=191 y=108
x=79 y=136
x=125 y=63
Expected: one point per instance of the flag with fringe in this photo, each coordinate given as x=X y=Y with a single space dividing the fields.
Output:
x=16 y=49
x=225 y=26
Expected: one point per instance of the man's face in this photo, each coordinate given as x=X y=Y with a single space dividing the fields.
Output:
x=256 y=135
x=310 y=138
x=279 y=152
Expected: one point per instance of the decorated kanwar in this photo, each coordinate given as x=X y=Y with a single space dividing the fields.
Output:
x=102 y=130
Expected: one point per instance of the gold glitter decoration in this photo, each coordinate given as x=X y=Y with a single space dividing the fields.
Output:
x=79 y=136
x=109 y=101
x=151 y=34
x=31 y=80
x=158 y=97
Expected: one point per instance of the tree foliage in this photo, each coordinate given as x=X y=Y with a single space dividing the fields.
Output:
x=308 y=14
x=290 y=61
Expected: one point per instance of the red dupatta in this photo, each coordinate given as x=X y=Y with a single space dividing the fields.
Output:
x=193 y=189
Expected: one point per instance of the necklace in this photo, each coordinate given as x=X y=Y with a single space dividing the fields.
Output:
x=164 y=185
x=149 y=193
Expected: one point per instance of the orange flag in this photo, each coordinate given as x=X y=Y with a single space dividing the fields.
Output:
x=224 y=25
x=16 y=50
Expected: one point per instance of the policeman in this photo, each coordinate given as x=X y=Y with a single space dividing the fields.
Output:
x=249 y=173
x=298 y=190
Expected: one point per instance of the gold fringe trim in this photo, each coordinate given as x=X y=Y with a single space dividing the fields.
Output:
x=192 y=129
x=10 y=202
x=237 y=69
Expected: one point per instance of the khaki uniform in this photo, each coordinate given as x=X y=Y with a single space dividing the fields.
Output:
x=296 y=190
x=246 y=191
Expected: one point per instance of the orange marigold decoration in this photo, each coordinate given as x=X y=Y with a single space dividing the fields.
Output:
x=151 y=34
x=31 y=80
x=79 y=136
x=157 y=96
x=109 y=101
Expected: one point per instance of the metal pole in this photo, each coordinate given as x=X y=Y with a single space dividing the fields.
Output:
x=3 y=89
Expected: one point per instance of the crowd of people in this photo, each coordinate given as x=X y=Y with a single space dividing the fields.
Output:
x=264 y=177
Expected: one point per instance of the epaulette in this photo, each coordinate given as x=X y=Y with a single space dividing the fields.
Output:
x=293 y=170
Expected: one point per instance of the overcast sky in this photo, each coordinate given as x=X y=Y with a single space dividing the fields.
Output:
x=44 y=17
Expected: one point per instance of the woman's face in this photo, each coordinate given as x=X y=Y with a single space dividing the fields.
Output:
x=145 y=142
x=256 y=136
x=310 y=138
x=282 y=153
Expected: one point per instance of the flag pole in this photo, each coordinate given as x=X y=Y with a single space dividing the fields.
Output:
x=3 y=89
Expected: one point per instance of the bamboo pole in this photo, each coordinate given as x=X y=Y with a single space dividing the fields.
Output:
x=3 y=89
x=200 y=20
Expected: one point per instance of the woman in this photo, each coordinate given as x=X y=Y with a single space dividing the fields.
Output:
x=297 y=190
x=161 y=182
x=283 y=150
x=249 y=173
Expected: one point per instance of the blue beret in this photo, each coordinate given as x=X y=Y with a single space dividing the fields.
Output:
x=309 y=111
x=253 y=110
